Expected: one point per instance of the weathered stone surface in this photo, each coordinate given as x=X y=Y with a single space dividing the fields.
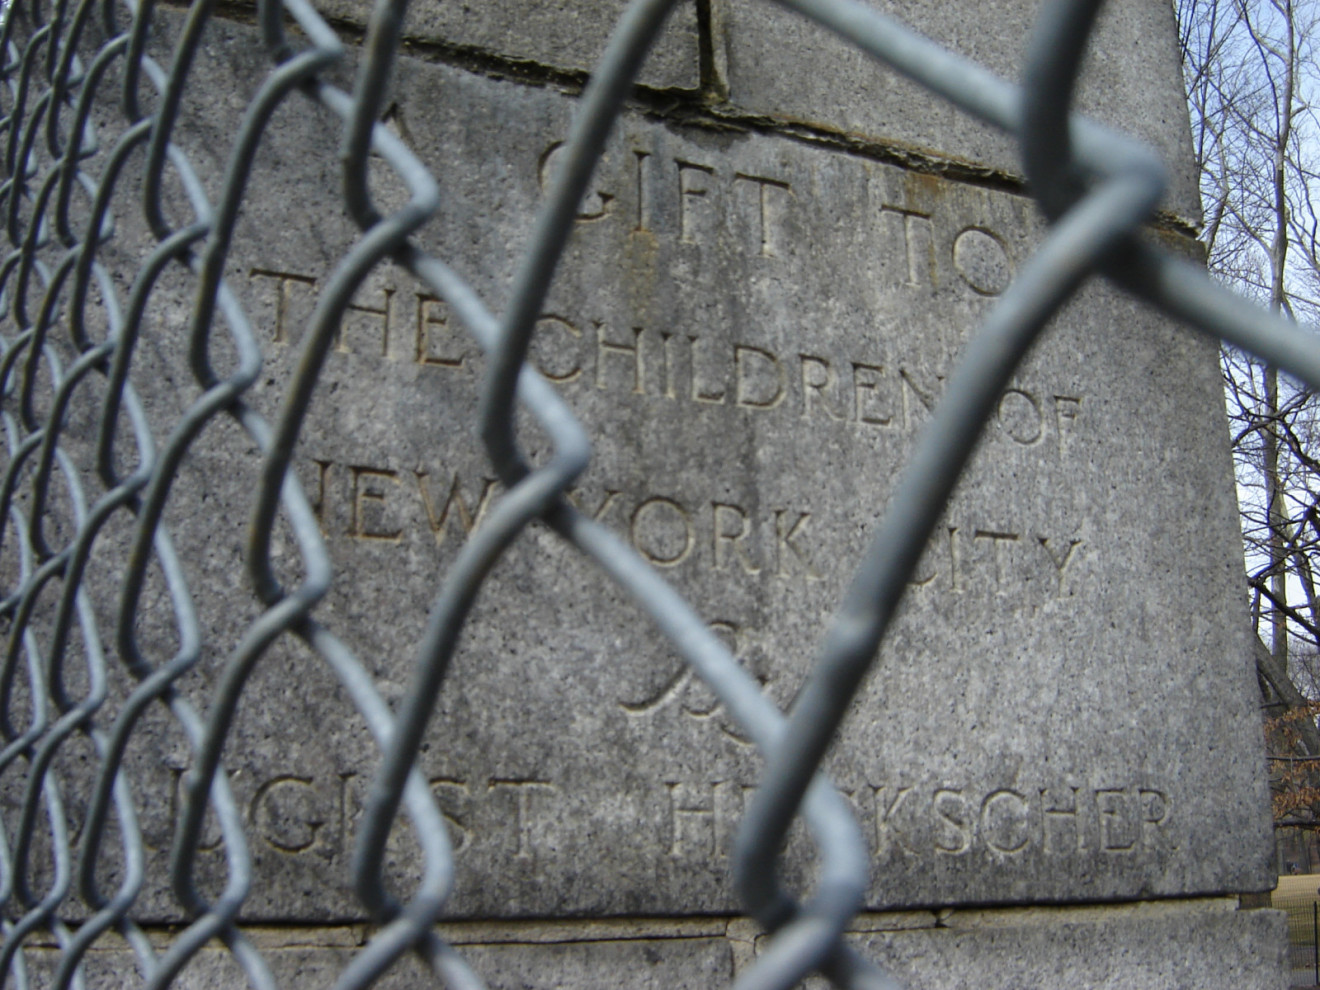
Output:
x=753 y=330
x=1089 y=949
x=783 y=65
x=561 y=34
x=1092 y=949
x=587 y=964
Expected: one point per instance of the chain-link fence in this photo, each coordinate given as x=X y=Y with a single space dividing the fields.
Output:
x=1300 y=903
x=73 y=331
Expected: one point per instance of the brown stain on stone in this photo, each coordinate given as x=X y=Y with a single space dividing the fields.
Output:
x=640 y=255
x=922 y=190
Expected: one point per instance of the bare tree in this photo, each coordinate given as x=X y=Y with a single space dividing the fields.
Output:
x=1252 y=78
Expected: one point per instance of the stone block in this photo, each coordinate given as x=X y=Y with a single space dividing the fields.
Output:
x=1125 y=947
x=1090 y=949
x=753 y=330
x=780 y=64
x=558 y=34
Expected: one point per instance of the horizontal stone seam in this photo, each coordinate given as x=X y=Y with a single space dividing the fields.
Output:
x=294 y=935
x=1028 y=915
x=695 y=108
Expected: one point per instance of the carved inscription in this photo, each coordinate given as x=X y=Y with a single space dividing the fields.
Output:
x=751 y=211
x=380 y=504
x=300 y=815
x=284 y=288
x=1006 y=821
x=916 y=235
x=866 y=389
x=822 y=386
x=704 y=818
x=980 y=258
x=685 y=691
x=940 y=820
x=718 y=205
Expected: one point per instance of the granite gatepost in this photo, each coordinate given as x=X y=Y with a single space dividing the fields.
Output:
x=1057 y=760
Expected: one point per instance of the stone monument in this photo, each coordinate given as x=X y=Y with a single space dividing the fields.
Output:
x=1057 y=758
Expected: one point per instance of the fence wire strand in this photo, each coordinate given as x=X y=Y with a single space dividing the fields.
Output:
x=1097 y=188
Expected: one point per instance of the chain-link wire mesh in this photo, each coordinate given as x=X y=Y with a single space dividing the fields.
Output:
x=70 y=329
